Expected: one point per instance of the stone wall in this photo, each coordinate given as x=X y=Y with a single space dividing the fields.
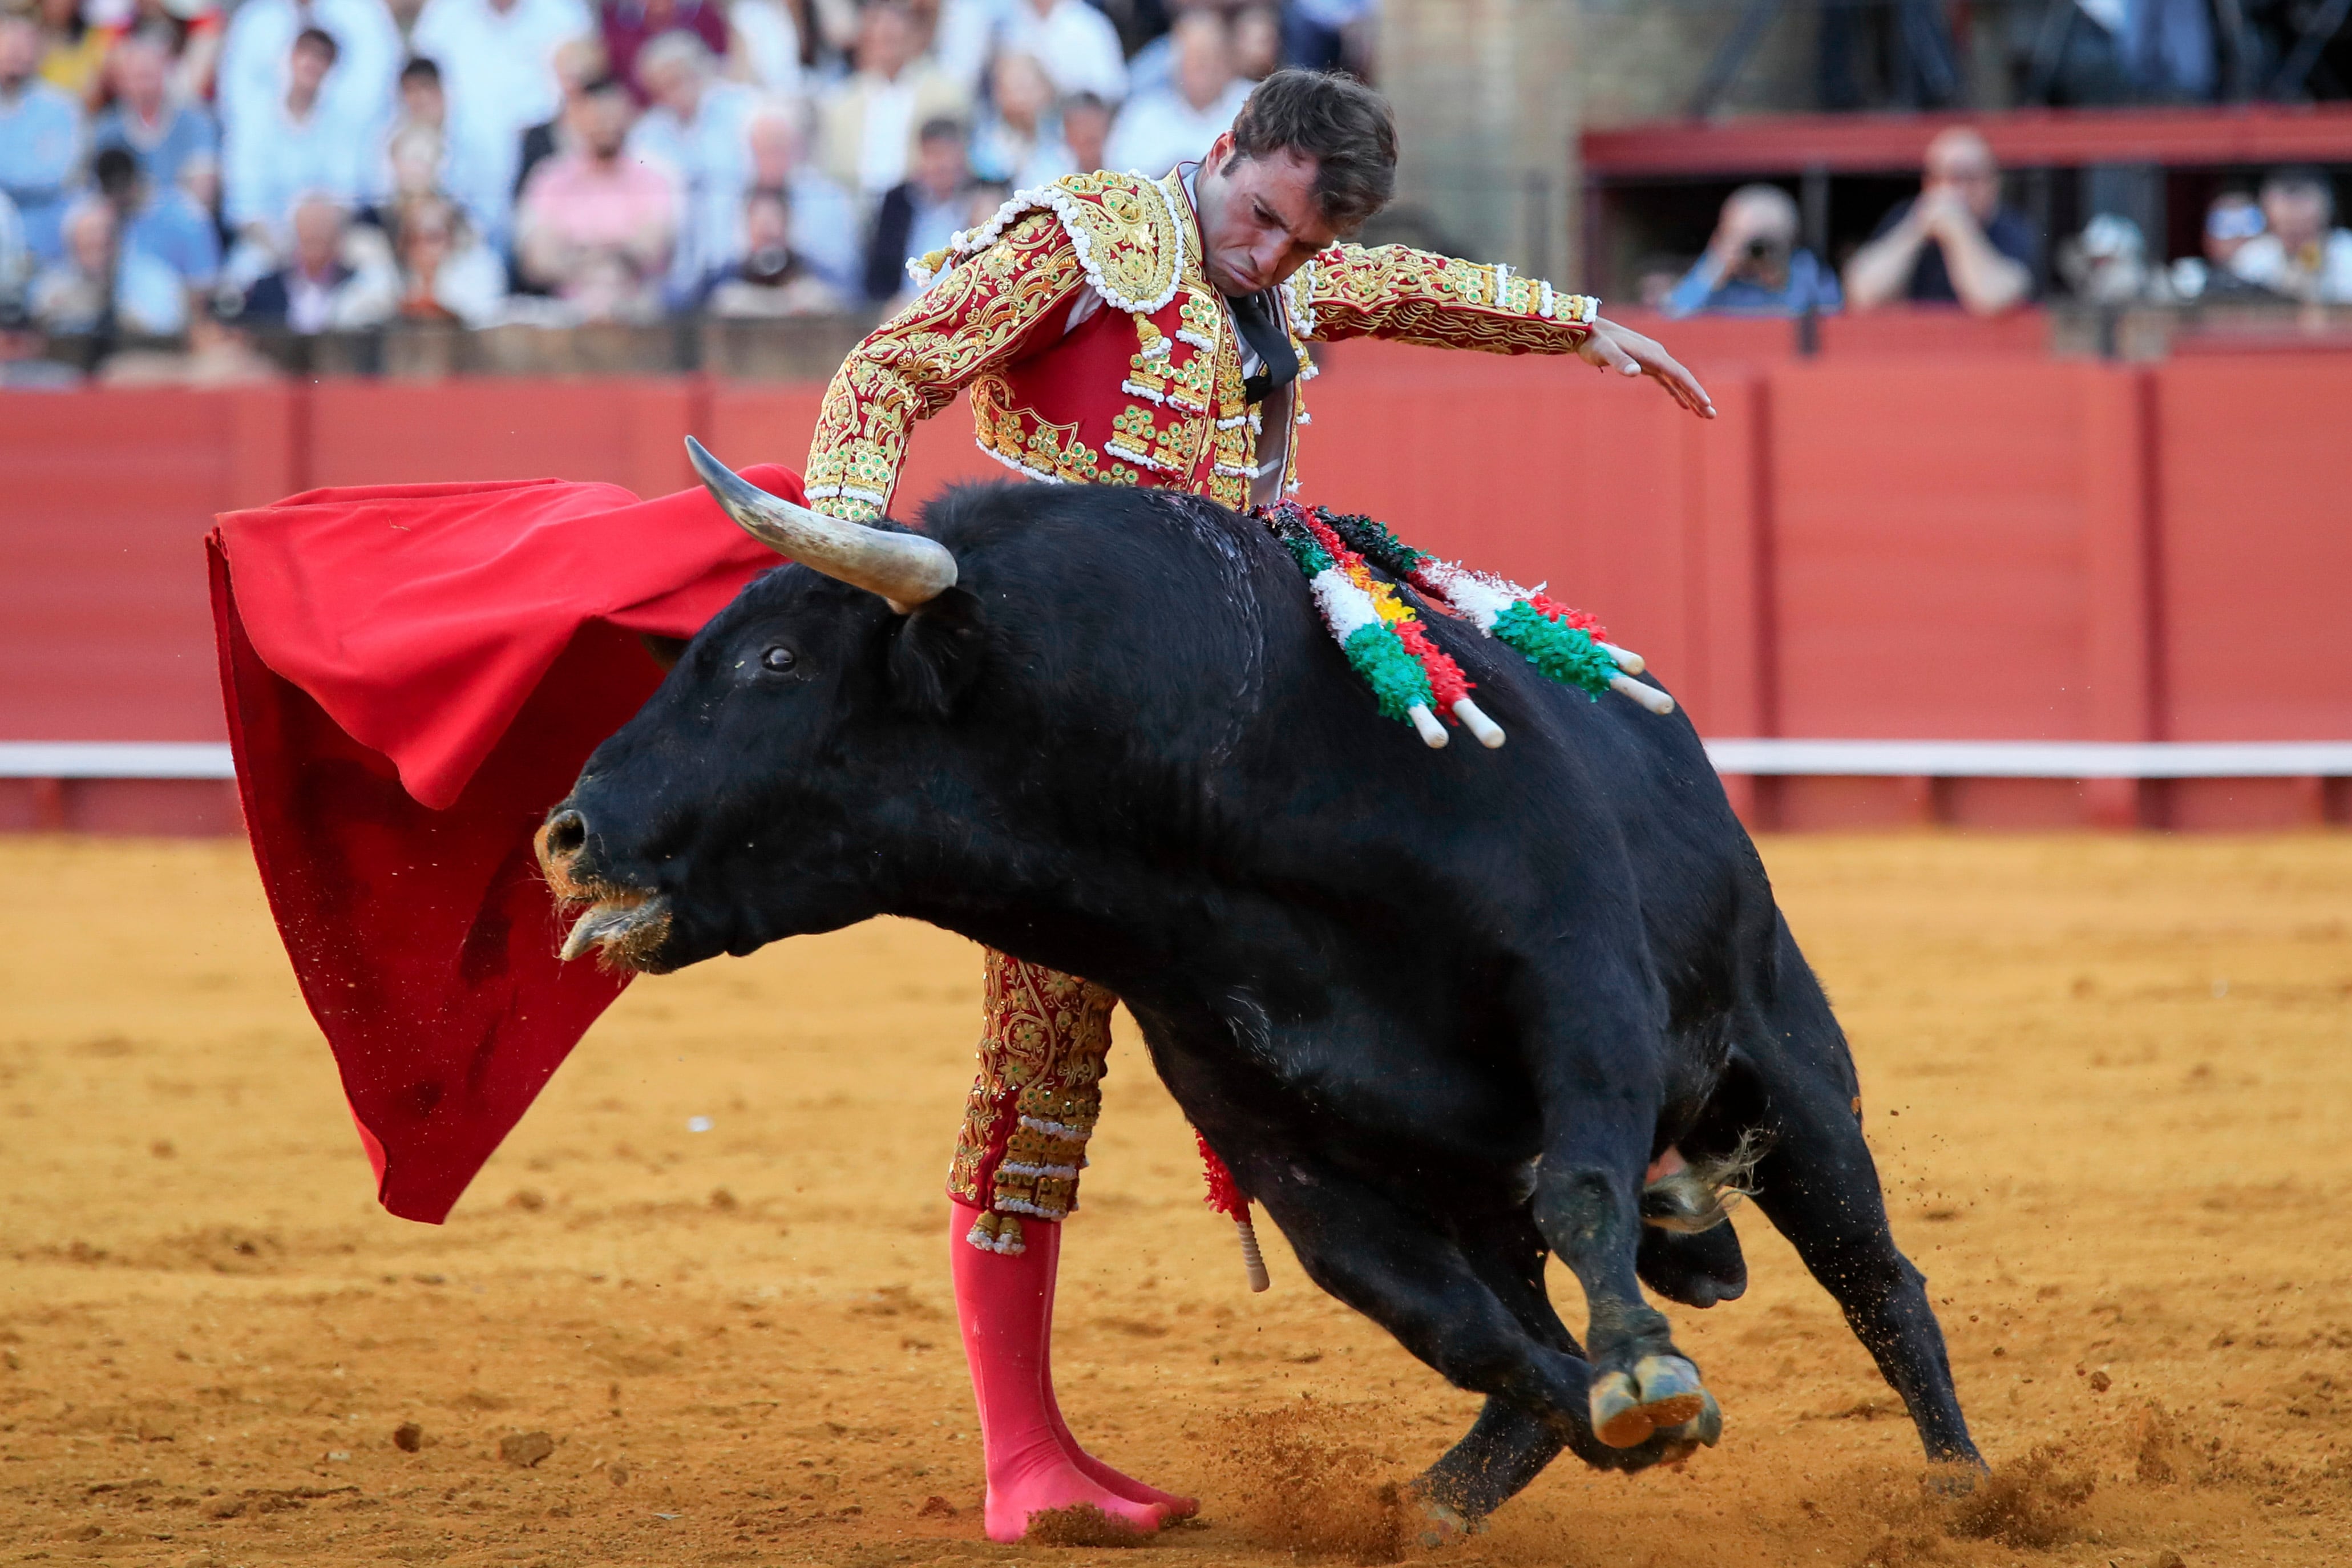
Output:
x=1490 y=95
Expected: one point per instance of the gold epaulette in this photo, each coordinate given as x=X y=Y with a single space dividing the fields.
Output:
x=1127 y=231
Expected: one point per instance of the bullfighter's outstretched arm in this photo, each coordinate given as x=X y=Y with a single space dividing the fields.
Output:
x=1415 y=297
x=981 y=313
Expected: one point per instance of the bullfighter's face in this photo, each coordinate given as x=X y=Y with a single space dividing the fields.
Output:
x=1260 y=221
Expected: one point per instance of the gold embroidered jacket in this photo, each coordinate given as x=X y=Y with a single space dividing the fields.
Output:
x=1147 y=389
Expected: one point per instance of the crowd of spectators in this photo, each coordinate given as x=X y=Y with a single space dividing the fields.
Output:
x=339 y=164
x=318 y=165
x=1958 y=242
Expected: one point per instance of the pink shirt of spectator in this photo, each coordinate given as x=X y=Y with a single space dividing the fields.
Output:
x=599 y=231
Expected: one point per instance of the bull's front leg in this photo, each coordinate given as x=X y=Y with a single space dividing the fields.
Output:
x=1391 y=1263
x=1603 y=1097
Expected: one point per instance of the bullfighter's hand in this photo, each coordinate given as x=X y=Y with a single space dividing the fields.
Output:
x=1608 y=346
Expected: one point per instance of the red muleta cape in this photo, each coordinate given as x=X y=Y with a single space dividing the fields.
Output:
x=414 y=674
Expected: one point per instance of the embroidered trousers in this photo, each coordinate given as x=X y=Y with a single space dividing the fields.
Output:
x=1044 y=1039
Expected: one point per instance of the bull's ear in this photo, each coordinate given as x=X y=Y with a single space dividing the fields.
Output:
x=935 y=654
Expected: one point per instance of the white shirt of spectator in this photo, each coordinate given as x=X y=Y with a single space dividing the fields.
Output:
x=1156 y=130
x=498 y=71
x=889 y=131
x=15 y=260
x=310 y=303
x=1077 y=44
x=824 y=231
x=272 y=162
x=711 y=159
x=773 y=40
x=359 y=92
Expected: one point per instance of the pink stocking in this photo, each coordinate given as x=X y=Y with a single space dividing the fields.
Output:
x=1004 y=1303
x=1048 y=1238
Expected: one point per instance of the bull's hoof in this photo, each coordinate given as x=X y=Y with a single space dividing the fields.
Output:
x=1617 y=1417
x=1953 y=1477
x=1661 y=1391
x=1702 y=1430
x=1442 y=1525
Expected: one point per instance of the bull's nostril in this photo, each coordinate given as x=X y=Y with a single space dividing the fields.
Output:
x=567 y=831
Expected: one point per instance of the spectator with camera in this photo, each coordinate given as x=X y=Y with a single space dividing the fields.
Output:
x=418 y=157
x=1753 y=265
x=770 y=279
x=357 y=98
x=2300 y=254
x=1954 y=243
x=824 y=231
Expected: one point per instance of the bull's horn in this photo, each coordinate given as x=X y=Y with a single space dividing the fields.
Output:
x=904 y=568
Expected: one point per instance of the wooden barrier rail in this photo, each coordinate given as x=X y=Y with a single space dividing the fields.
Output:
x=1899 y=546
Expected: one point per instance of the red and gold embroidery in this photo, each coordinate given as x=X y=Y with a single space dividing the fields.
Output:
x=1035 y=1101
x=911 y=366
x=1412 y=296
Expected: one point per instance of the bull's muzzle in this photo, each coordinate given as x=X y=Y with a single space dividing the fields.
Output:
x=624 y=926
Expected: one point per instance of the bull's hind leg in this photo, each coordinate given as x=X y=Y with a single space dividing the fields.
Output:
x=1820 y=1187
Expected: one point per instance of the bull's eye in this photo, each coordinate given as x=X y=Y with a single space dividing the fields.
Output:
x=779 y=660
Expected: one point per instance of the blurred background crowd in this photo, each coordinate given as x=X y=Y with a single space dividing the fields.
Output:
x=169 y=168
x=339 y=164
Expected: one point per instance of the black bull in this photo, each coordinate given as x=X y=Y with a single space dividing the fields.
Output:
x=1439 y=1010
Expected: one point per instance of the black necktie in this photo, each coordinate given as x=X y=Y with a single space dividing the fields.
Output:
x=1259 y=316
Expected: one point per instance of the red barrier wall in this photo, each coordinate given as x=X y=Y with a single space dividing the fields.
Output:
x=1893 y=544
x=105 y=628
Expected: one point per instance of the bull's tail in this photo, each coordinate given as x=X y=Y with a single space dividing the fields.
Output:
x=1701 y=1196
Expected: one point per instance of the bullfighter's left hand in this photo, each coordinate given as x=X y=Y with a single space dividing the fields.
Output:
x=1608 y=346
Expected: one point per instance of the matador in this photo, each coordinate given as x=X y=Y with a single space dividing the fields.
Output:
x=1117 y=329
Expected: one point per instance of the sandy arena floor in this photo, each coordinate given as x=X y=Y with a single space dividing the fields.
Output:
x=2107 y=1082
